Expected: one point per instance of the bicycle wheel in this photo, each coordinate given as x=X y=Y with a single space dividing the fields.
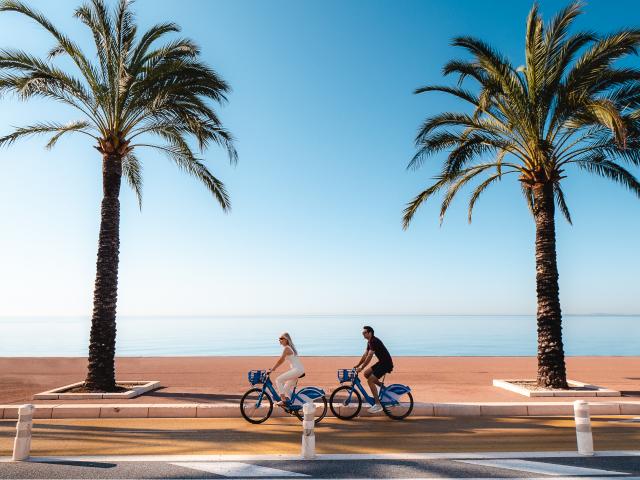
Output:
x=400 y=409
x=251 y=410
x=345 y=403
x=321 y=410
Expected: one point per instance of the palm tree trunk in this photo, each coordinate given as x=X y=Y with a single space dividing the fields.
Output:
x=102 y=346
x=551 y=367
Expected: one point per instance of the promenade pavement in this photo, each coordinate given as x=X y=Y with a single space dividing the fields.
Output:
x=211 y=387
x=224 y=379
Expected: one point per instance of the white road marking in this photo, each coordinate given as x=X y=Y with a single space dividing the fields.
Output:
x=541 y=468
x=238 y=469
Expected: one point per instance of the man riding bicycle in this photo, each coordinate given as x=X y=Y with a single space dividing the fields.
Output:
x=383 y=366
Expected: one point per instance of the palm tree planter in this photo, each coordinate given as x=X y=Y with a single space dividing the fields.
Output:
x=135 y=91
x=529 y=388
x=78 y=391
x=568 y=106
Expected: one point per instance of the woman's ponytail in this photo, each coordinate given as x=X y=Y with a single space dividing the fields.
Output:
x=290 y=342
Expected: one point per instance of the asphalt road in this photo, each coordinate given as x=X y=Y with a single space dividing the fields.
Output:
x=463 y=466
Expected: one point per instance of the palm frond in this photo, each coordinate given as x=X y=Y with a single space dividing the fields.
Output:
x=148 y=38
x=613 y=172
x=58 y=129
x=420 y=199
x=458 y=182
x=475 y=195
x=561 y=202
x=132 y=172
x=81 y=126
x=464 y=69
x=64 y=42
x=184 y=159
x=456 y=92
x=432 y=144
x=527 y=192
x=606 y=113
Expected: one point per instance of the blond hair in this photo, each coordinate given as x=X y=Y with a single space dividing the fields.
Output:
x=287 y=337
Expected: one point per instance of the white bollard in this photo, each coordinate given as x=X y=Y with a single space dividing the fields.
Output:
x=308 y=437
x=22 y=443
x=583 y=427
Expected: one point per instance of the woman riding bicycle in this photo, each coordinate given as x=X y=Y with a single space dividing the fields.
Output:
x=286 y=381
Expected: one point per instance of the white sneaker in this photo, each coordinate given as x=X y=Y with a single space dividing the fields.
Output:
x=376 y=408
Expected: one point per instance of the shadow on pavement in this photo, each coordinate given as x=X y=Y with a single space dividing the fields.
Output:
x=78 y=464
x=195 y=397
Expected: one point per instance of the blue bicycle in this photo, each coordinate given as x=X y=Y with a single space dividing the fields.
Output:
x=346 y=401
x=256 y=404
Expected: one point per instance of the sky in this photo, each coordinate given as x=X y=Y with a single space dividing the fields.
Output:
x=324 y=116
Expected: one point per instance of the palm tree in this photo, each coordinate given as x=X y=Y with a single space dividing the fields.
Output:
x=568 y=106
x=131 y=93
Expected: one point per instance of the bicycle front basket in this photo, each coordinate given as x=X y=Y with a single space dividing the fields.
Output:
x=345 y=375
x=257 y=376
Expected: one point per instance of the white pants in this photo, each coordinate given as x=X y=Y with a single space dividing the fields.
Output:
x=286 y=381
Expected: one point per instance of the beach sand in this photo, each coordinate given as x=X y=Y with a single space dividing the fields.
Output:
x=224 y=379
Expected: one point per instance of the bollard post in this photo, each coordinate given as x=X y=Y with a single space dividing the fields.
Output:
x=584 y=436
x=22 y=443
x=308 y=436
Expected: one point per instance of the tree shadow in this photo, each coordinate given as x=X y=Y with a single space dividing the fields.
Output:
x=196 y=397
x=337 y=437
x=630 y=393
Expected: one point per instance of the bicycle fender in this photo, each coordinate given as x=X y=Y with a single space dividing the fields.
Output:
x=308 y=394
x=395 y=390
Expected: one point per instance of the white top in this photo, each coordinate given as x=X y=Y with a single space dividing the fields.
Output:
x=294 y=362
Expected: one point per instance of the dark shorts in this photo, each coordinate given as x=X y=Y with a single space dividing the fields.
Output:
x=379 y=369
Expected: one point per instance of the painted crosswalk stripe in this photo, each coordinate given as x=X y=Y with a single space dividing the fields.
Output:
x=238 y=469
x=541 y=468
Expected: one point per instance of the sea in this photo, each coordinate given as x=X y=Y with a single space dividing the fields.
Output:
x=334 y=335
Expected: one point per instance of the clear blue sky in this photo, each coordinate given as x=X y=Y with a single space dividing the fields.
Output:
x=324 y=116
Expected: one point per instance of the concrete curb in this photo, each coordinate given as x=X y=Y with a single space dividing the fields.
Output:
x=232 y=410
x=137 y=388
x=586 y=389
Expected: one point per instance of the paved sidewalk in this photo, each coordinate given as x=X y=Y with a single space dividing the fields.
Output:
x=283 y=436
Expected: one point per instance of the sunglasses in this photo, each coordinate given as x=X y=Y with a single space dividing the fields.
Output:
x=281 y=338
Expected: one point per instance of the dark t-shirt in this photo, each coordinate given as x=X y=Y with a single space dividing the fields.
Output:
x=376 y=345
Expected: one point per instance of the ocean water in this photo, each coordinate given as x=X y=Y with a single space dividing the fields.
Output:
x=320 y=335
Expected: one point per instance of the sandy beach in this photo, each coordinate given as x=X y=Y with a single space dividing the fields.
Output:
x=224 y=379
